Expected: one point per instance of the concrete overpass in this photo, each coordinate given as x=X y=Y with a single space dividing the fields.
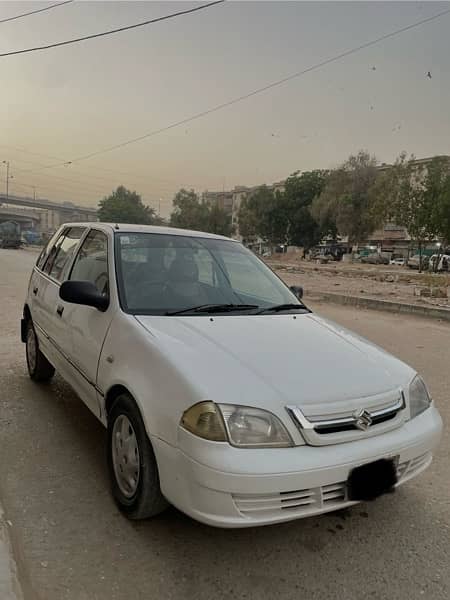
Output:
x=25 y=217
x=65 y=207
x=47 y=215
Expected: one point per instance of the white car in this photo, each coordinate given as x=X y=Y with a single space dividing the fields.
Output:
x=222 y=393
x=399 y=262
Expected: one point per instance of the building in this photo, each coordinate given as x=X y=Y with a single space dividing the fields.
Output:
x=391 y=238
x=223 y=200
x=419 y=163
x=395 y=238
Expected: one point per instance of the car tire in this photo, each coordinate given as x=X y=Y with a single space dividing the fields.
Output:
x=131 y=462
x=39 y=368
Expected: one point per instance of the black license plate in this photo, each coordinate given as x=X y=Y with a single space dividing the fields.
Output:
x=367 y=482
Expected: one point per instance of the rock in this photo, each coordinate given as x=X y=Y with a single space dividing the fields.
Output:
x=389 y=278
x=438 y=292
x=425 y=292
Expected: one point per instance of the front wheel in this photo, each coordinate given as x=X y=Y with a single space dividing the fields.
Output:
x=131 y=462
x=39 y=367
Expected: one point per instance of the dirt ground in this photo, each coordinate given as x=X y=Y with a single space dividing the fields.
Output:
x=397 y=284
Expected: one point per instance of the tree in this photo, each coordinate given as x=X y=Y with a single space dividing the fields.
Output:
x=124 y=206
x=437 y=192
x=248 y=220
x=191 y=213
x=442 y=213
x=410 y=199
x=349 y=198
x=303 y=229
x=219 y=221
x=262 y=215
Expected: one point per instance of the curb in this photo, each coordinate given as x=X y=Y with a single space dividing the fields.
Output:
x=9 y=584
x=384 y=305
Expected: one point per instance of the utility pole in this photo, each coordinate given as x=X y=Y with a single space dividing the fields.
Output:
x=6 y=162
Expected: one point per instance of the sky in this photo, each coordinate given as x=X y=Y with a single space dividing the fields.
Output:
x=70 y=101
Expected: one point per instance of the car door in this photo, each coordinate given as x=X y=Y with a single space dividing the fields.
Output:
x=47 y=307
x=87 y=326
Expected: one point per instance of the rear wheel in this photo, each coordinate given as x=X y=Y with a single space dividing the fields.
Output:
x=131 y=462
x=39 y=367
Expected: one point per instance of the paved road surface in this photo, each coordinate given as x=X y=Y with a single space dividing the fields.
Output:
x=72 y=543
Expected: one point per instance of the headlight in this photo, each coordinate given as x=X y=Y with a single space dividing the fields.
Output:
x=204 y=419
x=253 y=427
x=419 y=399
x=241 y=426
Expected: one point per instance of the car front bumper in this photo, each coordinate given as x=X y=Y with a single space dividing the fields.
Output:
x=230 y=487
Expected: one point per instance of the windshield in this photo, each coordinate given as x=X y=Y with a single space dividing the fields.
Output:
x=159 y=274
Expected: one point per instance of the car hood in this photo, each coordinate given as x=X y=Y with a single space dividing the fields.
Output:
x=273 y=360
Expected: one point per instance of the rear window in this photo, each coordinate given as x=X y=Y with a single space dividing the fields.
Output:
x=61 y=253
x=46 y=251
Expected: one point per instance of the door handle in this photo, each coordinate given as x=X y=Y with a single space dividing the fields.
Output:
x=35 y=290
x=60 y=310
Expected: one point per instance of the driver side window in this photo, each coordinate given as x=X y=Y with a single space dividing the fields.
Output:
x=91 y=263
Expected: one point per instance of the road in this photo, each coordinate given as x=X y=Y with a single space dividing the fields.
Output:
x=72 y=543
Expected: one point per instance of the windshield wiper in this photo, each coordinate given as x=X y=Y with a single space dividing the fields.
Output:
x=212 y=308
x=281 y=307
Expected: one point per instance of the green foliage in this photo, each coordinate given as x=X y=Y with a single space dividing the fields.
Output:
x=349 y=199
x=262 y=215
x=191 y=213
x=248 y=220
x=284 y=217
x=124 y=206
x=412 y=198
x=219 y=221
x=303 y=229
x=437 y=184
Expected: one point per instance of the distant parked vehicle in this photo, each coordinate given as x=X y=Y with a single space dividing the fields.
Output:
x=443 y=262
x=414 y=261
x=399 y=262
x=31 y=237
x=375 y=259
x=10 y=235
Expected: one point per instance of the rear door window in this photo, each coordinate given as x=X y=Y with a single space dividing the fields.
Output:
x=61 y=254
x=46 y=250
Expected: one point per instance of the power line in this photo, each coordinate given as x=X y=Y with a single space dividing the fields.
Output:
x=73 y=186
x=90 y=168
x=260 y=90
x=239 y=98
x=33 y=12
x=111 y=31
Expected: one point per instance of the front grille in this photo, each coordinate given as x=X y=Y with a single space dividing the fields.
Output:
x=410 y=467
x=301 y=502
x=297 y=501
x=376 y=420
x=369 y=416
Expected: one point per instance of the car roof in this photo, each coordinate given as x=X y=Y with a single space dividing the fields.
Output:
x=159 y=229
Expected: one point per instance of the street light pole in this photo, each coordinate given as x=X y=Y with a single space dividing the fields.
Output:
x=6 y=162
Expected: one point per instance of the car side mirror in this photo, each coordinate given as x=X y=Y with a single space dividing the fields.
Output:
x=83 y=292
x=297 y=290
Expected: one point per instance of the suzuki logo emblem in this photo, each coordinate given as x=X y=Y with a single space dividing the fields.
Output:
x=363 y=420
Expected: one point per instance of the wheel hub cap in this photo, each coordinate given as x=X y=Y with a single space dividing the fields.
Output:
x=31 y=349
x=125 y=455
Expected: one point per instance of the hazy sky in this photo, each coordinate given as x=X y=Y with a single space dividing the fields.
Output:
x=73 y=100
